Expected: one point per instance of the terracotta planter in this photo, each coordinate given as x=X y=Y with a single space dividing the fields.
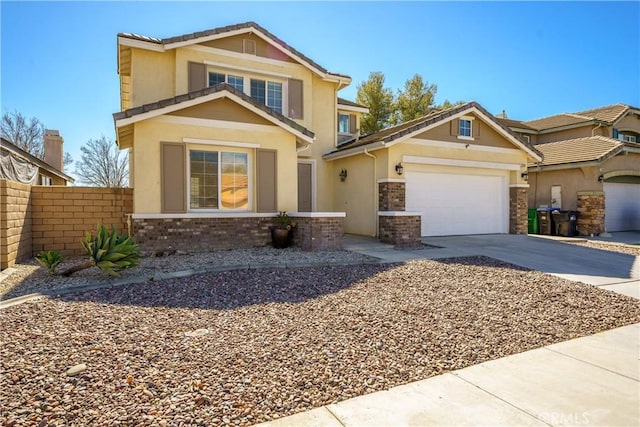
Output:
x=280 y=237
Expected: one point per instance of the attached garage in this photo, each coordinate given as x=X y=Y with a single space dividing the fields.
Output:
x=457 y=203
x=622 y=206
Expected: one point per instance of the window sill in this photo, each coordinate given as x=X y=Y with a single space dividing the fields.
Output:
x=466 y=138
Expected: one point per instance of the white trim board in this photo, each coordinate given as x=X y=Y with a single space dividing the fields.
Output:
x=343 y=107
x=220 y=143
x=398 y=213
x=385 y=180
x=462 y=146
x=460 y=163
x=203 y=215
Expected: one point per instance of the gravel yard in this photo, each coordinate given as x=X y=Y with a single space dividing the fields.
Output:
x=613 y=247
x=245 y=346
x=30 y=277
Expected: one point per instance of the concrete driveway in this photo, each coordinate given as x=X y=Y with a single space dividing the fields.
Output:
x=611 y=270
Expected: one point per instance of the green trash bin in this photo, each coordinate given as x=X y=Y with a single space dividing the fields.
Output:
x=532 y=215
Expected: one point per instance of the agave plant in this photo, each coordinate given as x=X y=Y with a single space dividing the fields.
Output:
x=108 y=251
x=49 y=260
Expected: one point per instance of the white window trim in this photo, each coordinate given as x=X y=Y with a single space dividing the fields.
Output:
x=470 y=120
x=249 y=74
x=191 y=210
x=350 y=132
x=220 y=143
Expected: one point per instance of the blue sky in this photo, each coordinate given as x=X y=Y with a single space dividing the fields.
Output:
x=531 y=59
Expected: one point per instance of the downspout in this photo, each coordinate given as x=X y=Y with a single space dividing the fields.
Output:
x=593 y=131
x=375 y=191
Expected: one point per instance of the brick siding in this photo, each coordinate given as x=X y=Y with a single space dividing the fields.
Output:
x=518 y=220
x=319 y=233
x=590 y=213
x=402 y=230
x=391 y=196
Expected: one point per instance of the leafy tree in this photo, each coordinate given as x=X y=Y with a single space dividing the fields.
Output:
x=379 y=99
x=448 y=104
x=101 y=164
x=416 y=100
x=26 y=134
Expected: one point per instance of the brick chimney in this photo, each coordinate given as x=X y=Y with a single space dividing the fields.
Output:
x=53 y=148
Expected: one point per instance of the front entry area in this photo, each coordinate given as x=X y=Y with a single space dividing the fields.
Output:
x=459 y=204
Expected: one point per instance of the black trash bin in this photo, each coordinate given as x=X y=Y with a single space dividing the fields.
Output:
x=565 y=223
x=545 y=221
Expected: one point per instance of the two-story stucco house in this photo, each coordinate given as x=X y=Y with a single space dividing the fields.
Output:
x=226 y=127
x=591 y=164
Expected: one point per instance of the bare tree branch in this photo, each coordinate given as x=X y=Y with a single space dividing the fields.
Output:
x=27 y=134
x=102 y=164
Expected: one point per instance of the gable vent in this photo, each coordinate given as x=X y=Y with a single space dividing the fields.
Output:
x=249 y=46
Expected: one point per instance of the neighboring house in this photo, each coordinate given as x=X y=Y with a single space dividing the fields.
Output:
x=226 y=127
x=455 y=171
x=591 y=164
x=20 y=166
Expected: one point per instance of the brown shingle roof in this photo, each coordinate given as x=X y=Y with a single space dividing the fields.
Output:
x=226 y=29
x=607 y=114
x=131 y=112
x=587 y=149
x=395 y=132
x=510 y=123
x=342 y=101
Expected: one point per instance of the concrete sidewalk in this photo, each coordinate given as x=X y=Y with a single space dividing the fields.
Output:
x=593 y=380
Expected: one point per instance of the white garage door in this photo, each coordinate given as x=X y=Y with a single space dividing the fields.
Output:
x=453 y=204
x=622 y=206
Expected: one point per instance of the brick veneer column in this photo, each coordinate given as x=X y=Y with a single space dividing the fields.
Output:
x=319 y=232
x=402 y=229
x=518 y=219
x=391 y=196
x=590 y=212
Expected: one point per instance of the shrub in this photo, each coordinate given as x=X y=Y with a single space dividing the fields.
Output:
x=49 y=260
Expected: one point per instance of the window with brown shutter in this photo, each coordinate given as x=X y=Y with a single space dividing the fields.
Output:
x=172 y=187
x=295 y=99
x=197 y=76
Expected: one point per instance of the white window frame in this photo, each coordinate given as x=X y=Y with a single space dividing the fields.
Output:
x=348 y=116
x=629 y=138
x=526 y=138
x=255 y=75
x=467 y=119
x=220 y=150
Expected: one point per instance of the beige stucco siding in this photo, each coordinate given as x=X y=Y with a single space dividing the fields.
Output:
x=488 y=136
x=629 y=122
x=152 y=76
x=150 y=133
x=357 y=195
x=570 y=180
x=578 y=132
x=222 y=109
x=263 y=49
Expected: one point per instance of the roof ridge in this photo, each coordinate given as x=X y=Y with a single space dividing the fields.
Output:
x=582 y=138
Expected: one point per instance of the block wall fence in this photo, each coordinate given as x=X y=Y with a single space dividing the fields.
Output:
x=37 y=218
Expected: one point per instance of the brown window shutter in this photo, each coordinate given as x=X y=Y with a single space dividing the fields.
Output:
x=295 y=99
x=475 y=126
x=197 y=76
x=173 y=187
x=352 y=123
x=455 y=127
x=266 y=181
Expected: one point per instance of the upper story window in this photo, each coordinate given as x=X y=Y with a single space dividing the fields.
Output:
x=465 y=128
x=526 y=138
x=218 y=180
x=268 y=93
x=344 y=123
x=625 y=136
x=235 y=81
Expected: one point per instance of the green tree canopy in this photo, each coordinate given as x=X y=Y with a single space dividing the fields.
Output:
x=379 y=99
x=416 y=100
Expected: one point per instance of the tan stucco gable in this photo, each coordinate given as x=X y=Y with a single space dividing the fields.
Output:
x=222 y=109
x=239 y=44
x=483 y=134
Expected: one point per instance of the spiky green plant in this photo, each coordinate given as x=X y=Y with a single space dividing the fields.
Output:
x=108 y=251
x=49 y=260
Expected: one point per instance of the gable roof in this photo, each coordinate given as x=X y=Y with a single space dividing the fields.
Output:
x=9 y=146
x=578 y=150
x=510 y=123
x=342 y=101
x=608 y=114
x=408 y=129
x=179 y=102
x=245 y=27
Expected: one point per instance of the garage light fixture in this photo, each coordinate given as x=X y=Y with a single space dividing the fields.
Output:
x=399 y=168
x=343 y=174
x=601 y=178
x=525 y=176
